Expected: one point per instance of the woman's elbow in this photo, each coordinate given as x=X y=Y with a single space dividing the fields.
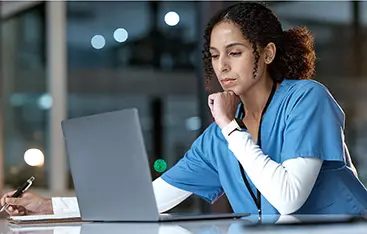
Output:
x=290 y=207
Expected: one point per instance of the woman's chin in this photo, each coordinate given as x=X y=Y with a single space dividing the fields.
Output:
x=231 y=89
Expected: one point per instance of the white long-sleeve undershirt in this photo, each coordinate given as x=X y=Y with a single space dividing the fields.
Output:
x=286 y=186
x=167 y=197
x=287 y=189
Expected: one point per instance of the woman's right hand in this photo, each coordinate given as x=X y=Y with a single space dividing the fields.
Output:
x=27 y=204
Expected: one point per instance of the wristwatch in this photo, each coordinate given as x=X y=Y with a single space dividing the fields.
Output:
x=235 y=125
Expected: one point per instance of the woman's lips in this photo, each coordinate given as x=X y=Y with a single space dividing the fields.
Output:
x=227 y=81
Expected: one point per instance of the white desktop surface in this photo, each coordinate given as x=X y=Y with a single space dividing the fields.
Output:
x=246 y=225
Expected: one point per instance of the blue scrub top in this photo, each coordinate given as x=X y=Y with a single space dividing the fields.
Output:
x=302 y=120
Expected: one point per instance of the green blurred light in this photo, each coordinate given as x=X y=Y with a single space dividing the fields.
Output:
x=160 y=165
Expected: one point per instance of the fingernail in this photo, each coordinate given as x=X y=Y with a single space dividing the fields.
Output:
x=10 y=208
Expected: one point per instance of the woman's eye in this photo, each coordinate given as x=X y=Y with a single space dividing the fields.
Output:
x=235 y=53
x=214 y=56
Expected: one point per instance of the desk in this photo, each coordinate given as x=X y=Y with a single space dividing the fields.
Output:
x=270 y=225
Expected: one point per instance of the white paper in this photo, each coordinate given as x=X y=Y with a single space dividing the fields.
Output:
x=44 y=217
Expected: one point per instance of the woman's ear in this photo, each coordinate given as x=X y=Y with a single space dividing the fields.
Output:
x=269 y=52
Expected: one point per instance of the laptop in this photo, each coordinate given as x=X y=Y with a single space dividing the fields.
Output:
x=110 y=169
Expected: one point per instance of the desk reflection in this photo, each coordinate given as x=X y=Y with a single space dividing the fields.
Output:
x=269 y=224
x=197 y=227
x=114 y=228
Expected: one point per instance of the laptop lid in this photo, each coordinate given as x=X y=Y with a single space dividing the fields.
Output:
x=109 y=167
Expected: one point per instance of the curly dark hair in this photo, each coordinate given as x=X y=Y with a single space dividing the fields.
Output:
x=295 y=56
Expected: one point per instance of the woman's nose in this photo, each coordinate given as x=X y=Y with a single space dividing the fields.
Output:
x=224 y=65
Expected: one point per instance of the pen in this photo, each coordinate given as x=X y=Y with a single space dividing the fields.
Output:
x=22 y=189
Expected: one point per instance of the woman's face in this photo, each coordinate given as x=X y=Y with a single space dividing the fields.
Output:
x=233 y=59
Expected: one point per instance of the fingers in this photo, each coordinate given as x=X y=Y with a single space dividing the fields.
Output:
x=214 y=96
x=230 y=92
x=8 y=194
x=16 y=201
x=2 y=201
x=15 y=211
x=211 y=99
x=17 y=206
x=22 y=210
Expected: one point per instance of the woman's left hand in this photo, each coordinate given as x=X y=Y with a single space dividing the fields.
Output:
x=223 y=107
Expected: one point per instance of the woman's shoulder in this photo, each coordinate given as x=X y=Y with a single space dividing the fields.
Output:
x=310 y=94
x=299 y=91
x=303 y=87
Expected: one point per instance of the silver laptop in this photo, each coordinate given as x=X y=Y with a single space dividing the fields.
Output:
x=110 y=169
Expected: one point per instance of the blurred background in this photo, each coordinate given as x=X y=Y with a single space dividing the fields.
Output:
x=65 y=59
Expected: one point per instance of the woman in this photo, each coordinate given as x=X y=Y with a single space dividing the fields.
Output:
x=277 y=144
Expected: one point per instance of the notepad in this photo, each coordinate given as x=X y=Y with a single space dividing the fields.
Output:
x=51 y=218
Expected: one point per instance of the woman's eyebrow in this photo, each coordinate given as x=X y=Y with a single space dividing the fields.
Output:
x=235 y=44
x=230 y=45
